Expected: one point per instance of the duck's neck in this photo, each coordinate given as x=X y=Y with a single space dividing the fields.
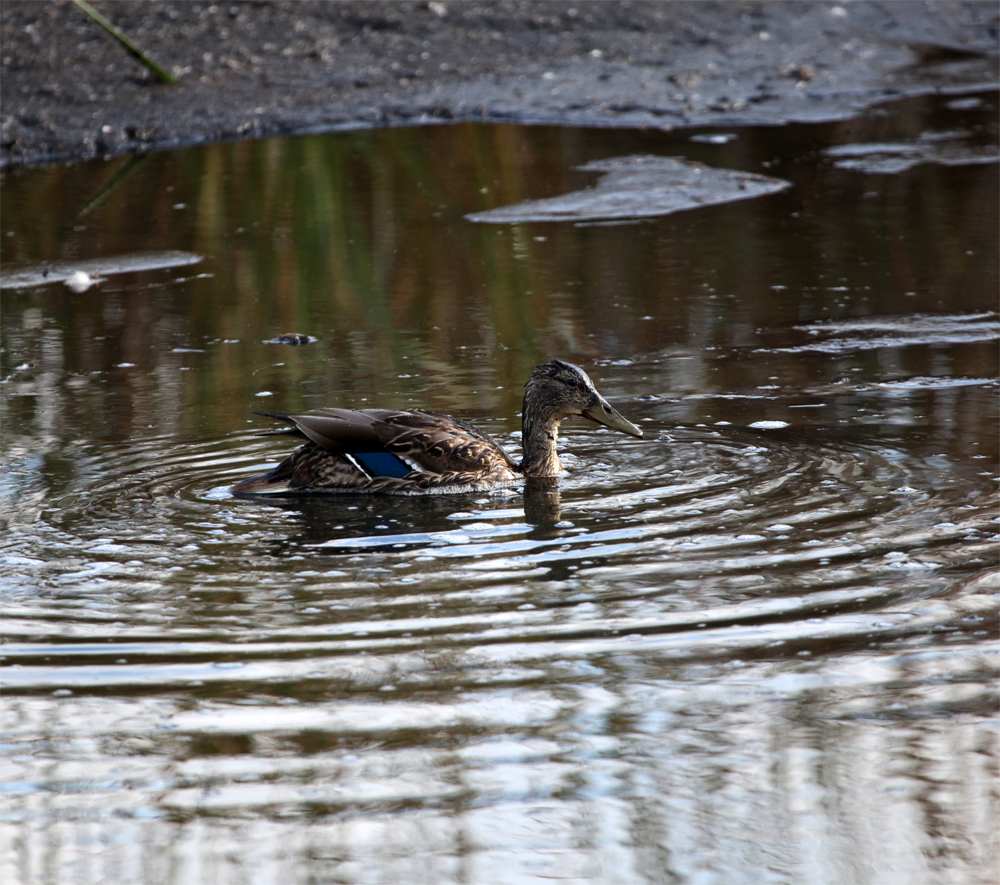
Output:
x=539 y=432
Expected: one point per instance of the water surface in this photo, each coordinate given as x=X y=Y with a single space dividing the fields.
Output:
x=757 y=645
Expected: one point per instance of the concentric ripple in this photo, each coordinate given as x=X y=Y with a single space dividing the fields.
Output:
x=696 y=543
x=193 y=659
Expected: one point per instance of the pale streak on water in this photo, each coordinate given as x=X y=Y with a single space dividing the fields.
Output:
x=757 y=645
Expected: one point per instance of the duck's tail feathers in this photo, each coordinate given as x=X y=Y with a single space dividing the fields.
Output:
x=261 y=485
x=292 y=430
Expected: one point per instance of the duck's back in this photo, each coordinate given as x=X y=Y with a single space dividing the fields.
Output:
x=379 y=450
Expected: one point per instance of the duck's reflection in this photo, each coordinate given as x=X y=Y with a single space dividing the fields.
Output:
x=542 y=509
x=326 y=519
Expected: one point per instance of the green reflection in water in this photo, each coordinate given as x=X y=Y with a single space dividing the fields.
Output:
x=360 y=239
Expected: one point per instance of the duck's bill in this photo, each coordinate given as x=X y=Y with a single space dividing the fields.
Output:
x=603 y=413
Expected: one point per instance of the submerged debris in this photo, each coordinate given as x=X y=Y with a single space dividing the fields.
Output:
x=950 y=148
x=92 y=268
x=640 y=187
x=874 y=333
x=292 y=338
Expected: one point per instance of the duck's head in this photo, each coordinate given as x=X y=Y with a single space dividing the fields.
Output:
x=557 y=390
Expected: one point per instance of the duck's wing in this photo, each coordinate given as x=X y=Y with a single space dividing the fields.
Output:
x=398 y=444
x=442 y=444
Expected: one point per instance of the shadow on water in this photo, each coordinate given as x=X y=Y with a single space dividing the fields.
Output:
x=756 y=644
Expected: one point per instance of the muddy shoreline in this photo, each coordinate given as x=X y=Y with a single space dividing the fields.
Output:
x=248 y=70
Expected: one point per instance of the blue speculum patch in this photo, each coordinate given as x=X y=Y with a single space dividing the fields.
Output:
x=382 y=464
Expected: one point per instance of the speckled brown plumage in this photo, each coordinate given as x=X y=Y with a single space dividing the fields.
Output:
x=346 y=450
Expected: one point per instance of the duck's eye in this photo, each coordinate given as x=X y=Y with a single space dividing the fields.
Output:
x=572 y=382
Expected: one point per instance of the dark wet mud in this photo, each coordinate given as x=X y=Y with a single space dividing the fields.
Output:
x=252 y=69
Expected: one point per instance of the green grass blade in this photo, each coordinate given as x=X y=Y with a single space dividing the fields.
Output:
x=133 y=50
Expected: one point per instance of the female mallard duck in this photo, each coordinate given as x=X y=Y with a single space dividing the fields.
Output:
x=426 y=453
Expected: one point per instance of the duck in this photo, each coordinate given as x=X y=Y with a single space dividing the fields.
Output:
x=419 y=452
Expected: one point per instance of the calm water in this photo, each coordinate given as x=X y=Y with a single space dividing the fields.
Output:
x=757 y=645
